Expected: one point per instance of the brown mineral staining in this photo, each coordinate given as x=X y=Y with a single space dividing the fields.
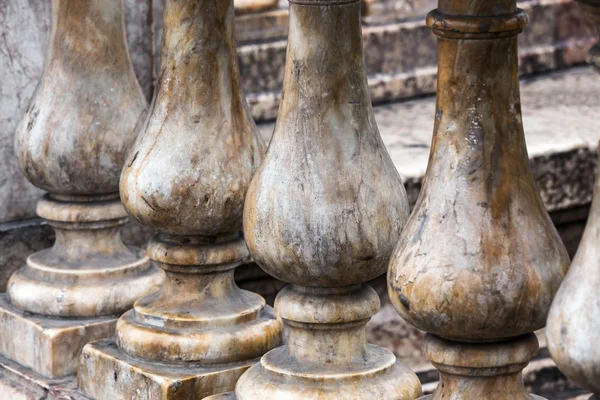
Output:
x=186 y=177
x=199 y=149
x=456 y=360
x=72 y=142
x=323 y=213
x=309 y=223
x=76 y=142
x=479 y=259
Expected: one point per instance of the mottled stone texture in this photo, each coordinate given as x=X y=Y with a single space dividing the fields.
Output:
x=476 y=165
x=186 y=177
x=556 y=37
x=18 y=383
x=88 y=272
x=25 y=29
x=479 y=260
x=82 y=118
x=573 y=325
x=49 y=346
x=323 y=213
x=72 y=142
x=125 y=378
x=559 y=114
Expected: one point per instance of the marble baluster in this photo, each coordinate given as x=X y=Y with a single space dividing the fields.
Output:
x=323 y=213
x=573 y=328
x=186 y=177
x=72 y=142
x=479 y=261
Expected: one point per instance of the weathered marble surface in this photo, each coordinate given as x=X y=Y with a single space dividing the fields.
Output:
x=344 y=216
x=49 y=346
x=88 y=272
x=82 y=118
x=573 y=324
x=559 y=111
x=18 y=383
x=71 y=142
x=559 y=114
x=25 y=29
x=323 y=213
x=465 y=368
x=190 y=168
x=479 y=260
x=563 y=166
x=186 y=177
x=458 y=197
x=556 y=37
x=128 y=378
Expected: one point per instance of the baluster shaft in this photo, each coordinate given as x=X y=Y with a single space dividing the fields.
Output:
x=72 y=142
x=479 y=260
x=323 y=213
x=186 y=177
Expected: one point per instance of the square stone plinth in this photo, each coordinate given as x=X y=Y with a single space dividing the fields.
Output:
x=49 y=346
x=106 y=372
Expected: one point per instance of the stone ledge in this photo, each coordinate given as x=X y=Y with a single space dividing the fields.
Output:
x=106 y=372
x=20 y=383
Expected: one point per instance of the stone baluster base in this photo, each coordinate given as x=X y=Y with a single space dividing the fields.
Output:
x=483 y=371
x=193 y=338
x=327 y=353
x=73 y=292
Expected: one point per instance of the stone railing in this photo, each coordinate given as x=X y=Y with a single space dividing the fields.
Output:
x=187 y=174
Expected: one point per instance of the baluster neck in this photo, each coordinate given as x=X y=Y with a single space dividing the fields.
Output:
x=199 y=61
